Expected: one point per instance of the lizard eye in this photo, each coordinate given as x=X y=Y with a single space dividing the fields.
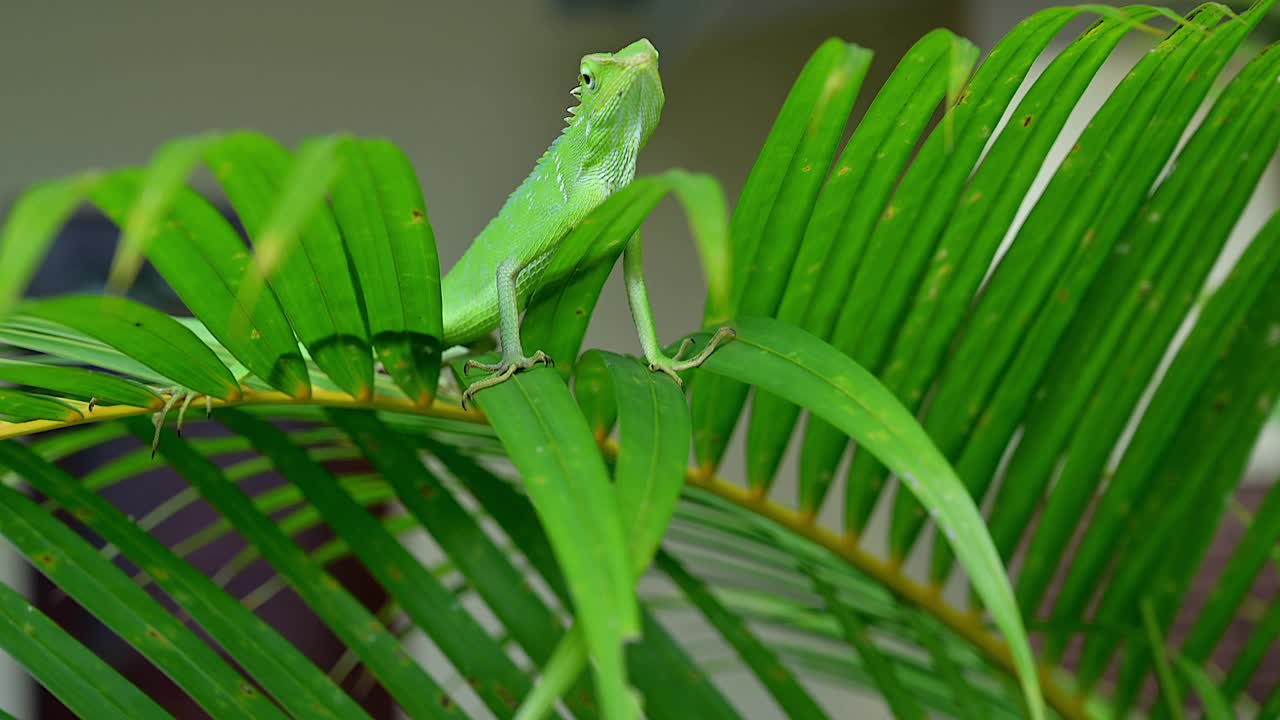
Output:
x=589 y=80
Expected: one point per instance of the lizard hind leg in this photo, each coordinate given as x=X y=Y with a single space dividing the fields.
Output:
x=513 y=357
x=638 y=299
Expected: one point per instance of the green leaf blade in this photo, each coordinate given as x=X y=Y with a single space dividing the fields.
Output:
x=1141 y=326
x=30 y=229
x=379 y=207
x=1202 y=464
x=653 y=438
x=298 y=249
x=915 y=225
x=653 y=441
x=593 y=389
x=23 y=406
x=982 y=212
x=1188 y=373
x=485 y=565
x=1255 y=652
x=553 y=448
x=811 y=373
x=427 y=602
x=143 y=334
x=785 y=178
x=79 y=384
x=903 y=705
x=861 y=320
x=840 y=227
x=1232 y=586
x=783 y=687
x=78 y=569
x=282 y=671
x=77 y=677
x=416 y=691
x=161 y=183
x=1215 y=706
x=203 y=259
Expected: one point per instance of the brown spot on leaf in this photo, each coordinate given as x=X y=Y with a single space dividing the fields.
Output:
x=446 y=702
x=1026 y=121
x=417 y=217
x=505 y=695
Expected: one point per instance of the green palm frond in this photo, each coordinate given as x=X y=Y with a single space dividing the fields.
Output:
x=987 y=327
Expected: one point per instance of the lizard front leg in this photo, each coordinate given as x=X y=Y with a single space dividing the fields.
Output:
x=638 y=299
x=513 y=359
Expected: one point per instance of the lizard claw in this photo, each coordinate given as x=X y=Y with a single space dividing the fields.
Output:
x=175 y=395
x=487 y=367
x=182 y=411
x=684 y=346
x=502 y=372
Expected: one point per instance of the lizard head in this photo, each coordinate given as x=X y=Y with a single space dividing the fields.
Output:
x=621 y=99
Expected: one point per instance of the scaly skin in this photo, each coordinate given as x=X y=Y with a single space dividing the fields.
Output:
x=595 y=155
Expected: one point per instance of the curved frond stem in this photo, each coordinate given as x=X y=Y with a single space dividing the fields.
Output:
x=319 y=397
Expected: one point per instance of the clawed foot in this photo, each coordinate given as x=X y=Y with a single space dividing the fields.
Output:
x=502 y=371
x=176 y=395
x=673 y=365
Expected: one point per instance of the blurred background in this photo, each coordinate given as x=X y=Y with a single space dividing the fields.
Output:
x=472 y=91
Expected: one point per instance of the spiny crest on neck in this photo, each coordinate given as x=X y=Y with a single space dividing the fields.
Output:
x=576 y=92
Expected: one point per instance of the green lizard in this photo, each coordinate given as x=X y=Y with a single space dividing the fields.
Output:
x=620 y=100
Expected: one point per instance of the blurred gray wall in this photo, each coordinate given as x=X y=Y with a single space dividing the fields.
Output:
x=473 y=92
